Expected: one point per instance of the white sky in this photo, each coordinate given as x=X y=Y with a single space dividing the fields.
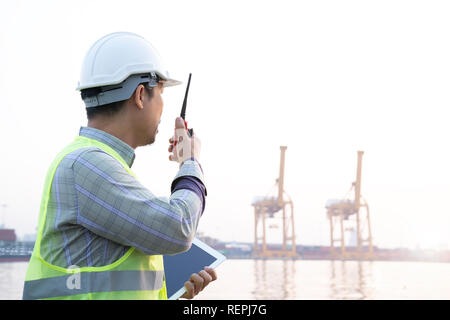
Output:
x=325 y=78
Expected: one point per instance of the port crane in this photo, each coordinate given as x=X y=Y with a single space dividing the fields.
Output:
x=268 y=208
x=345 y=212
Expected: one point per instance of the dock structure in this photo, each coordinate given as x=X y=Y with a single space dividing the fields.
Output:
x=348 y=213
x=268 y=208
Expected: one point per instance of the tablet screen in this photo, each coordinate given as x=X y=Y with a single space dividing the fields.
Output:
x=179 y=268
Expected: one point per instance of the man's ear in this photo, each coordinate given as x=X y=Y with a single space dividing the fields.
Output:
x=139 y=96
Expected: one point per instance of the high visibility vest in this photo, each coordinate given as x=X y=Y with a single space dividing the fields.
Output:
x=134 y=276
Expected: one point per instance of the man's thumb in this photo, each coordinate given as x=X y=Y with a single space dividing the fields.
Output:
x=179 y=123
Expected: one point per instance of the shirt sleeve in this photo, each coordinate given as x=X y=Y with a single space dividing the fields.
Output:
x=193 y=184
x=114 y=205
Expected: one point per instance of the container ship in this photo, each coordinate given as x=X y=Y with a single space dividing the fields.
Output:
x=12 y=250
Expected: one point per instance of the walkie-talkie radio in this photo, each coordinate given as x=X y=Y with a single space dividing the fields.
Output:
x=183 y=109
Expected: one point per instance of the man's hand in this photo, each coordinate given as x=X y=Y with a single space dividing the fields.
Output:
x=198 y=281
x=181 y=145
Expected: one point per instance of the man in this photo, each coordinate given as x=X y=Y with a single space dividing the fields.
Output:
x=101 y=233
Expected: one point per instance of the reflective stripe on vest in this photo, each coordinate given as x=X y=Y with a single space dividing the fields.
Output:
x=86 y=282
x=134 y=276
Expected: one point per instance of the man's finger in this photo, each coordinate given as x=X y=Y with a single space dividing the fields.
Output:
x=211 y=272
x=179 y=123
x=189 y=294
x=198 y=282
x=206 y=277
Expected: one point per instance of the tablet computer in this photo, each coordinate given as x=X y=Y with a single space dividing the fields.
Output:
x=178 y=268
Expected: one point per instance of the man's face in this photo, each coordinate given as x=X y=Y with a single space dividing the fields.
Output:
x=153 y=108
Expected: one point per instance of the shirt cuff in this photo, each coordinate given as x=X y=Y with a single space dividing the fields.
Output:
x=192 y=184
x=191 y=168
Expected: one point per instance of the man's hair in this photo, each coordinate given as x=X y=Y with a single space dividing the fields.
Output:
x=111 y=109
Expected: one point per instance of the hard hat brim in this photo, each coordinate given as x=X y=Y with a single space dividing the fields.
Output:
x=171 y=83
x=166 y=83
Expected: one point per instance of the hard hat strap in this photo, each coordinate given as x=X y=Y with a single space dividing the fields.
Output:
x=94 y=97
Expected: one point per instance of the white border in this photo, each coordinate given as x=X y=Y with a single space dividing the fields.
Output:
x=216 y=254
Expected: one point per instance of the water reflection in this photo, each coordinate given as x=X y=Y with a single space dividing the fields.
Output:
x=274 y=279
x=12 y=276
x=351 y=280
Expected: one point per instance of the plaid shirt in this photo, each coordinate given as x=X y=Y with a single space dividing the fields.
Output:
x=96 y=210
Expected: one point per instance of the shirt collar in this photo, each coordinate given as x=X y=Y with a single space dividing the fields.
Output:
x=123 y=149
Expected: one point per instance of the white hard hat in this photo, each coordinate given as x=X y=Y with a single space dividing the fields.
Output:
x=115 y=57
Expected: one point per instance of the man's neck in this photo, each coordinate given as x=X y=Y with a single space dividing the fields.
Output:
x=119 y=131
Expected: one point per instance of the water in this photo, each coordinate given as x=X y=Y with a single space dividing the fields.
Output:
x=12 y=275
x=300 y=279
